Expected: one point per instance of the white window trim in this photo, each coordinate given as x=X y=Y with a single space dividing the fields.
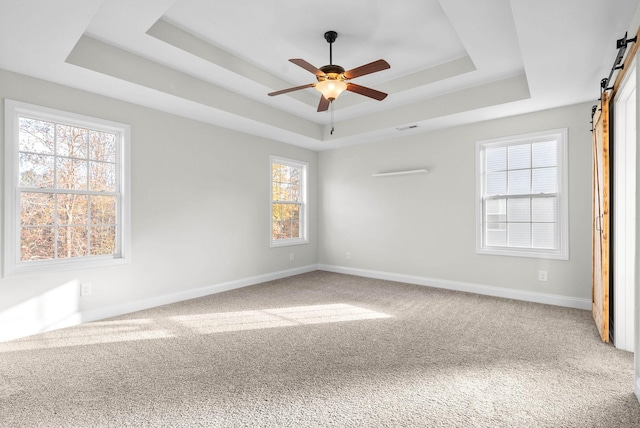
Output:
x=562 y=253
x=11 y=245
x=304 y=229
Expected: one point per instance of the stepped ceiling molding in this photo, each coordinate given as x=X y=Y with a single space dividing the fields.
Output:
x=453 y=62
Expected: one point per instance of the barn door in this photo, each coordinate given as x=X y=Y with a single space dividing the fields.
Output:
x=600 y=247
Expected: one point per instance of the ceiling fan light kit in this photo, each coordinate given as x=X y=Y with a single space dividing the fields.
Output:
x=331 y=88
x=333 y=79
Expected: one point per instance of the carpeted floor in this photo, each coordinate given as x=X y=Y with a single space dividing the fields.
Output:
x=323 y=350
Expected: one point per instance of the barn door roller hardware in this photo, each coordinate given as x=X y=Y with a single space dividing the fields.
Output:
x=621 y=45
x=618 y=64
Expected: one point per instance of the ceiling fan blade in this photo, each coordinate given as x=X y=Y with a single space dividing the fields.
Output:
x=367 y=92
x=372 y=67
x=304 y=64
x=297 y=88
x=324 y=104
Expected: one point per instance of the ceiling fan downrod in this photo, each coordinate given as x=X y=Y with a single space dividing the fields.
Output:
x=330 y=37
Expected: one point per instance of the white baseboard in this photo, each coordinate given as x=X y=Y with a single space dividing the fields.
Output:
x=508 y=293
x=152 y=302
x=29 y=325
x=23 y=320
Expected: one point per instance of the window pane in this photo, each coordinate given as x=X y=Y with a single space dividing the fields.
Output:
x=36 y=243
x=496 y=159
x=68 y=182
x=72 y=209
x=72 y=241
x=103 y=240
x=287 y=180
x=277 y=222
x=71 y=174
x=290 y=212
x=102 y=146
x=519 y=234
x=36 y=209
x=520 y=182
x=520 y=156
x=545 y=154
x=544 y=235
x=102 y=177
x=36 y=171
x=519 y=209
x=35 y=136
x=286 y=221
x=283 y=193
x=496 y=210
x=103 y=210
x=286 y=183
x=71 y=141
x=496 y=234
x=544 y=209
x=496 y=183
x=545 y=180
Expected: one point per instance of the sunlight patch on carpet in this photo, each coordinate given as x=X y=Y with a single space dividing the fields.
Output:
x=90 y=334
x=278 y=317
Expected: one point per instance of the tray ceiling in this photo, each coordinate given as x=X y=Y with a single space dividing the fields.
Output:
x=452 y=62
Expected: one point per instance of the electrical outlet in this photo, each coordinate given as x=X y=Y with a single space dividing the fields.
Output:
x=348 y=255
x=85 y=289
x=542 y=275
x=291 y=257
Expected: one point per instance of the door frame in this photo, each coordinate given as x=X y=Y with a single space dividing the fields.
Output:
x=624 y=199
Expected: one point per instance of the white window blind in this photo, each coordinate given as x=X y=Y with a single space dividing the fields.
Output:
x=522 y=195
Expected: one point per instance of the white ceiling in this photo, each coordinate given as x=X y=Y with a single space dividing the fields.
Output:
x=452 y=61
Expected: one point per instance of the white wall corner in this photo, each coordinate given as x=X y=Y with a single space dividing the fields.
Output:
x=26 y=319
x=152 y=302
x=488 y=290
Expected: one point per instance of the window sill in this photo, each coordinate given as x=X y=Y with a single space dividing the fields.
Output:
x=49 y=266
x=524 y=252
x=288 y=242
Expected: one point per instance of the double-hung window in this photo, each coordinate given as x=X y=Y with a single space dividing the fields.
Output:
x=522 y=200
x=288 y=201
x=66 y=190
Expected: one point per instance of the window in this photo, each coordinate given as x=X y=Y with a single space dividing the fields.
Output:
x=522 y=195
x=288 y=201
x=67 y=190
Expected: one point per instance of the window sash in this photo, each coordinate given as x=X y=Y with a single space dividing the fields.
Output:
x=116 y=157
x=298 y=200
x=541 y=227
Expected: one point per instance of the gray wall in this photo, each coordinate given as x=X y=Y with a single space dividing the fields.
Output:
x=200 y=208
x=424 y=225
x=200 y=205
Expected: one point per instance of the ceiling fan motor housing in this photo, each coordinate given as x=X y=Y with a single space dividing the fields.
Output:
x=332 y=72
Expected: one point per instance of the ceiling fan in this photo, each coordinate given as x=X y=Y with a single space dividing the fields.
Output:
x=333 y=80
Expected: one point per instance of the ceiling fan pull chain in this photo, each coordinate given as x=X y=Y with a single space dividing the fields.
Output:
x=332 y=118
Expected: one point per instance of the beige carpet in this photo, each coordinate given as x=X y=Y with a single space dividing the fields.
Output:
x=323 y=350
